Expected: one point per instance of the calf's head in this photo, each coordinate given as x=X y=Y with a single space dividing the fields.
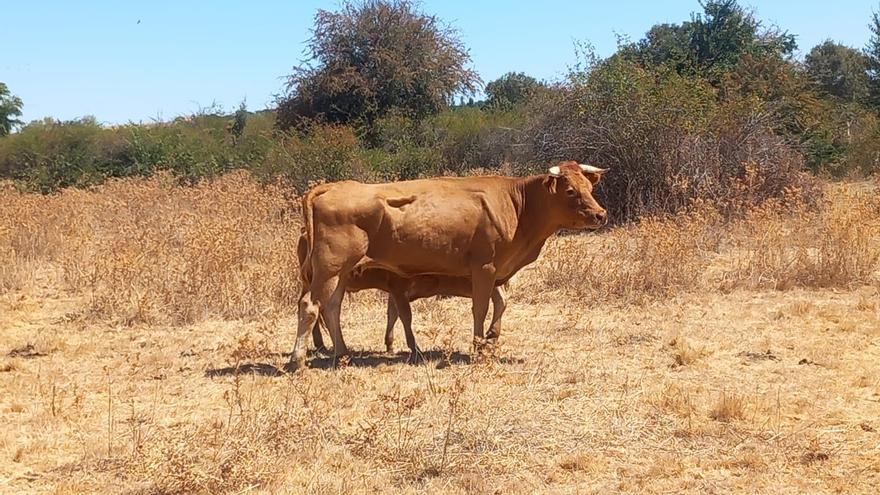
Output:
x=571 y=189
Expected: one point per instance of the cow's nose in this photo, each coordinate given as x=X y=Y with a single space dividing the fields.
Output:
x=602 y=216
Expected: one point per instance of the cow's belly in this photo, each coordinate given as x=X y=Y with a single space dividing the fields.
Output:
x=430 y=238
x=430 y=256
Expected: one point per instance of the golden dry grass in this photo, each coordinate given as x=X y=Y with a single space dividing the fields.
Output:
x=142 y=327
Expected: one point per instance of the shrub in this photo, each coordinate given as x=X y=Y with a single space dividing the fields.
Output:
x=781 y=245
x=50 y=154
x=407 y=161
x=667 y=139
x=323 y=153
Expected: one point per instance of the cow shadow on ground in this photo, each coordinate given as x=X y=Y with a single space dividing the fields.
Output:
x=436 y=358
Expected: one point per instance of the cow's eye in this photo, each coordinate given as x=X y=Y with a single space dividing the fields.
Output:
x=570 y=192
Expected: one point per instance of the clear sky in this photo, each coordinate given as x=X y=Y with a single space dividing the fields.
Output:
x=67 y=59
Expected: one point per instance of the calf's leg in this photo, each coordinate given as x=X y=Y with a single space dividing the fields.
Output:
x=405 y=312
x=331 y=311
x=392 y=315
x=317 y=338
x=499 y=304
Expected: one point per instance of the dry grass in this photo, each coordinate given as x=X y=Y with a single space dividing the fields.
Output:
x=143 y=325
x=783 y=246
x=149 y=251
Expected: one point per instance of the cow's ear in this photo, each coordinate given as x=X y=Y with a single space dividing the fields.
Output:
x=550 y=183
x=593 y=178
x=593 y=174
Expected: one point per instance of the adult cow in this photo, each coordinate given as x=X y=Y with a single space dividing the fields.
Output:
x=480 y=228
x=401 y=292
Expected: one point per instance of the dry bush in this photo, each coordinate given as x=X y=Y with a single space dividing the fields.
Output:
x=684 y=353
x=667 y=138
x=794 y=241
x=781 y=245
x=657 y=256
x=149 y=250
x=672 y=398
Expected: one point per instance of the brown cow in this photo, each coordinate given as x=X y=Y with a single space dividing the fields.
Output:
x=480 y=228
x=401 y=292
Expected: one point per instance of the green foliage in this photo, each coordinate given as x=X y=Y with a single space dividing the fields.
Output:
x=510 y=90
x=10 y=107
x=47 y=155
x=372 y=57
x=711 y=43
x=838 y=71
x=239 y=121
x=872 y=52
x=712 y=108
x=321 y=153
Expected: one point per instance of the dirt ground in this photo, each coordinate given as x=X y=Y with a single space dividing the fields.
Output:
x=145 y=328
x=752 y=391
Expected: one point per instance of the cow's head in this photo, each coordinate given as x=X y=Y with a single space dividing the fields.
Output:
x=571 y=184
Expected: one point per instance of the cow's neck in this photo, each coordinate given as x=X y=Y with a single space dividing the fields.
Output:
x=536 y=210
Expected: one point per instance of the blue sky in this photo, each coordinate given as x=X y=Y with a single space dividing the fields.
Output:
x=67 y=59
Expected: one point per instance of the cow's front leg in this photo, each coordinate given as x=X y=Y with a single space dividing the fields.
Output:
x=499 y=304
x=483 y=281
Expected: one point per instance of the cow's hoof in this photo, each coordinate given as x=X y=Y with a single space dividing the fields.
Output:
x=296 y=364
x=322 y=350
x=415 y=357
x=389 y=348
x=485 y=352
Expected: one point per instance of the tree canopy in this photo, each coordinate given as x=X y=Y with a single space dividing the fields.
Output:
x=711 y=43
x=10 y=108
x=371 y=57
x=838 y=71
x=510 y=90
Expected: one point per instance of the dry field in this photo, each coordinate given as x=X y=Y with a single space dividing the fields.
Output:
x=144 y=329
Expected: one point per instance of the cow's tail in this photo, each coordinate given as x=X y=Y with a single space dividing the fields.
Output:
x=308 y=230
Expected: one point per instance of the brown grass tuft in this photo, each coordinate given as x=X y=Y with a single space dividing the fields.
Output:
x=728 y=407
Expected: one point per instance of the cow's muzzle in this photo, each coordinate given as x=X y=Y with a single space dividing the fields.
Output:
x=594 y=219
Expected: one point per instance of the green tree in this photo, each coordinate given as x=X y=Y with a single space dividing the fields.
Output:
x=839 y=71
x=510 y=89
x=712 y=43
x=872 y=52
x=10 y=107
x=239 y=121
x=374 y=56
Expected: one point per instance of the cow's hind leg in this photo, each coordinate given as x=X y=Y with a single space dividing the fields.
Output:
x=307 y=318
x=392 y=315
x=313 y=303
x=499 y=304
